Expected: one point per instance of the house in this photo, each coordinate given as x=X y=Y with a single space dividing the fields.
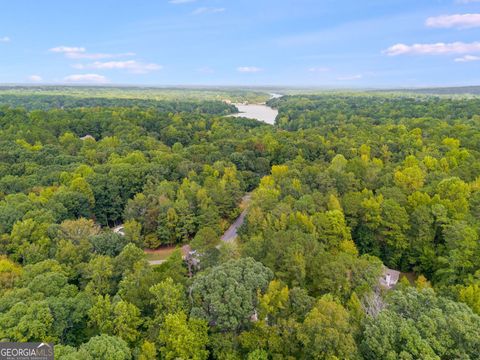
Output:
x=120 y=230
x=389 y=278
x=186 y=251
x=191 y=258
x=87 y=137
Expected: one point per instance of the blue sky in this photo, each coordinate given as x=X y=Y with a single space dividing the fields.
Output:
x=339 y=43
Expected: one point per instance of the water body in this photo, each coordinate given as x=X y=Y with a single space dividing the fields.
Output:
x=260 y=112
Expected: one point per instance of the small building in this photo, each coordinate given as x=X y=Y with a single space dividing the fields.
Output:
x=186 y=251
x=389 y=278
x=120 y=230
x=87 y=137
x=191 y=258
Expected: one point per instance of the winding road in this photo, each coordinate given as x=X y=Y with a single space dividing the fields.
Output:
x=231 y=234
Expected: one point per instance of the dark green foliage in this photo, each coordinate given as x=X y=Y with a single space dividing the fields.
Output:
x=344 y=184
x=226 y=295
x=46 y=102
x=419 y=324
x=108 y=243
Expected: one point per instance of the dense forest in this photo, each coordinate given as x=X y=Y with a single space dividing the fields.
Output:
x=177 y=94
x=458 y=90
x=47 y=102
x=342 y=187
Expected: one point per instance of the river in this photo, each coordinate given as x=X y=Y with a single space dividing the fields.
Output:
x=260 y=112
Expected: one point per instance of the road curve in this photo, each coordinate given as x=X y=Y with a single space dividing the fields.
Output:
x=231 y=234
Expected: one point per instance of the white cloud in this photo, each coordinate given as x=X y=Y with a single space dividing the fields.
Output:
x=176 y=2
x=130 y=65
x=206 y=70
x=248 y=69
x=5 y=39
x=467 y=1
x=35 y=78
x=319 y=69
x=98 y=56
x=433 y=49
x=462 y=21
x=68 y=49
x=86 y=78
x=350 y=78
x=73 y=52
x=467 y=58
x=207 y=10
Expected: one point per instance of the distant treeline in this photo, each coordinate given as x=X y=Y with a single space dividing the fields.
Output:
x=309 y=111
x=145 y=93
x=47 y=102
x=474 y=90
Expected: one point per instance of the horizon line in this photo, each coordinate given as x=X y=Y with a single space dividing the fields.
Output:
x=235 y=86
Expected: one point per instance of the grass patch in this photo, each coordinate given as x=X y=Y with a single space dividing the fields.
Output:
x=159 y=254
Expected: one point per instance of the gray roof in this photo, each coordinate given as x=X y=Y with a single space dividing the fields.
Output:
x=389 y=278
x=88 y=136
